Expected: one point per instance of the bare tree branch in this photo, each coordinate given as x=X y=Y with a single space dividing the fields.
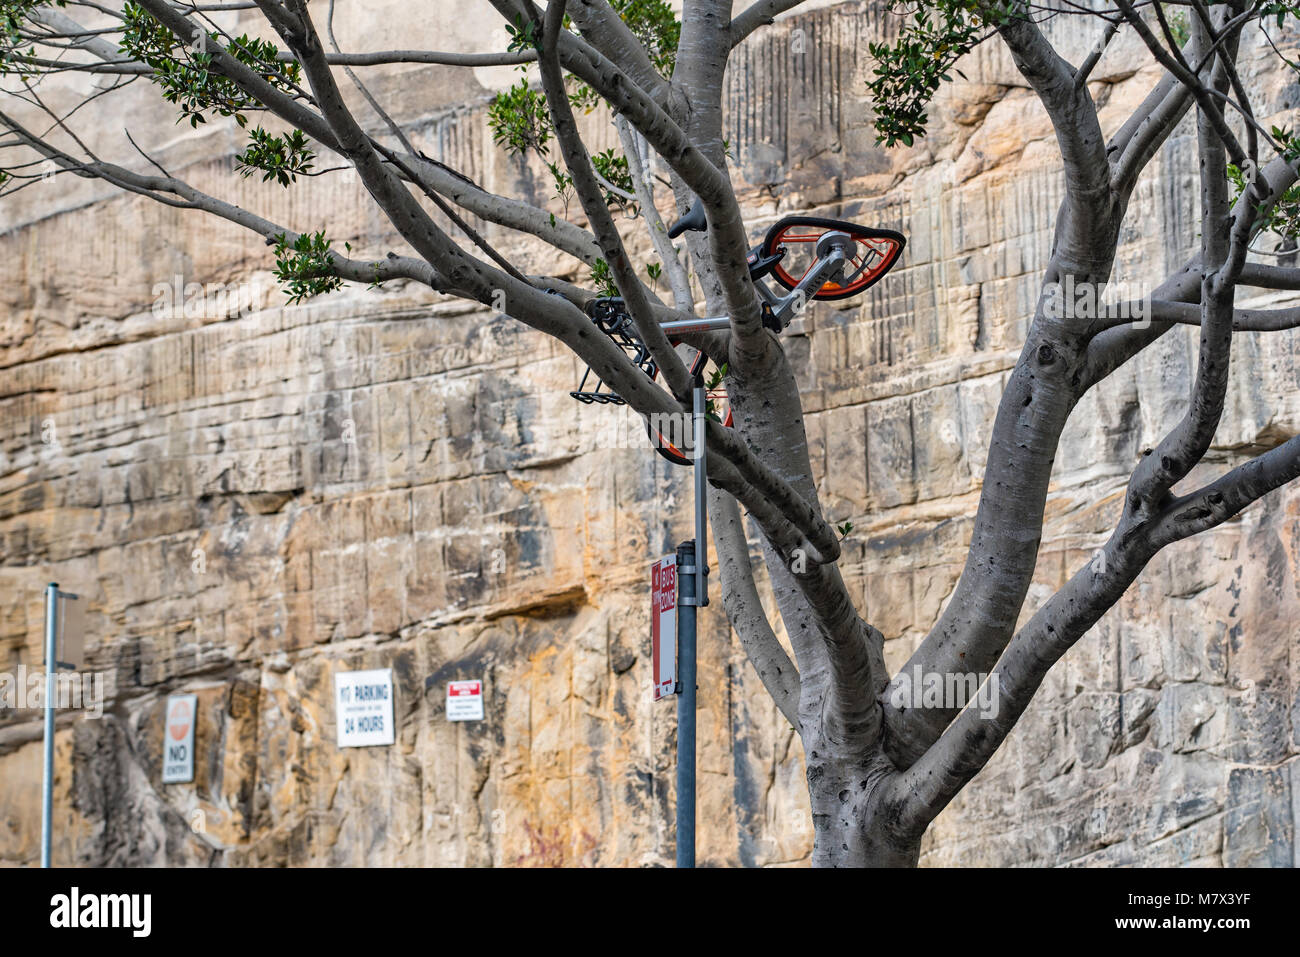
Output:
x=1188 y=79
x=1189 y=314
x=757 y=15
x=605 y=31
x=385 y=57
x=1270 y=277
x=973 y=738
x=637 y=161
x=1115 y=346
x=592 y=198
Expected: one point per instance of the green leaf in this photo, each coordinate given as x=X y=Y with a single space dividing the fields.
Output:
x=910 y=70
x=603 y=279
x=282 y=158
x=519 y=119
x=305 y=268
x=187 y=77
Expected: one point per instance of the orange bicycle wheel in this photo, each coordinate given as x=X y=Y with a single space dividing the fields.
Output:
x=876 y=252
x=673 y=448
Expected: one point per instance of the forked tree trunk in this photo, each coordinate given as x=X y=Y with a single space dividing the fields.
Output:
x=853 y=826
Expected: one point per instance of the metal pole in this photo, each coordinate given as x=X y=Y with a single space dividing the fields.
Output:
x=692 y=592
x=51 y=667
x=686 y=704
x=701 y=500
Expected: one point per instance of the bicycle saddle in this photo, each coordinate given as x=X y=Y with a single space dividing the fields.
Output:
x=693 y=220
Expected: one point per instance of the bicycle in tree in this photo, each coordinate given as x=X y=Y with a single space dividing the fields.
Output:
x=813 y=258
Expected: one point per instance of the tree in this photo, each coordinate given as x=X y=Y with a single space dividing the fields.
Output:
x=880 y=765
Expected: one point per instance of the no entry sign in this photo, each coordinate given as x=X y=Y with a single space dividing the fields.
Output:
x=663 y=625
x=465 y=701
x=178 y=739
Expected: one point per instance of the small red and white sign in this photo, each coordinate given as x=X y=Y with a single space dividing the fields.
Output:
x=465 y=701
x=663 y=625
x=178 y=739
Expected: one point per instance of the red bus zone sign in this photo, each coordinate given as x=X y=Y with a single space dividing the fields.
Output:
x=663 y=625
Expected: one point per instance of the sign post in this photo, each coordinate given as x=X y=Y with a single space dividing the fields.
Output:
x=65 y=647
x=51 y=656
x=692 y=593
x=686 y=705
x=675 y=616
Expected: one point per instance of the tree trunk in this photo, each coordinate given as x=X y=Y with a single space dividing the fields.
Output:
x=852 y=825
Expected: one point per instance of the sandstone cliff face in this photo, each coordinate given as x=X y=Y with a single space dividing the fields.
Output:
x=256 y=497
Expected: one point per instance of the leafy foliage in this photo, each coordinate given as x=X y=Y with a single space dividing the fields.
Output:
x=184 y=69
x=602 y=277
x=281 y=158
x=563 y=184
x=12 y=15
x=1279 y=10
x=519 y=118
x=614 y=169
x=713 y=384
x=910 y=70
x=1178 y=28
x=523 y=35
x=1283 y=219
x=304 y=268
x=657 y=28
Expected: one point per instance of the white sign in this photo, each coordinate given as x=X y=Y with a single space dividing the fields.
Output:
x=178 y=739
x=465 y=701
x=663 y=625
x=363 y=707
